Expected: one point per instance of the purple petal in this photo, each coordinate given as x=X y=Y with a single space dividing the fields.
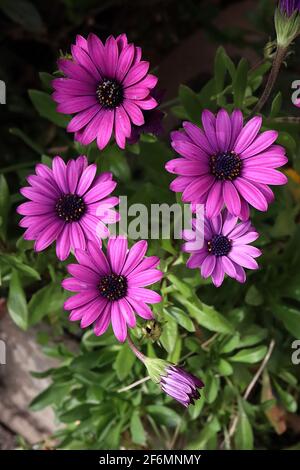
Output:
x=118 y=322
x=215 y=200
x=262 y=142
x=231 y=198
x=223 y=130
x=141 y=308
x=134 y=257
x=105 y=129
x=103 y=321
x=248 y=134
x=208 y=266
x=209 y=126
x=236 y=126
x=116 y=252
x=63 y=245
x=251 y=194
x=218 y=273
x=86 y=179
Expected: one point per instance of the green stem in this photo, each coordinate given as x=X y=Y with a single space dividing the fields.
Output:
x=277 y=62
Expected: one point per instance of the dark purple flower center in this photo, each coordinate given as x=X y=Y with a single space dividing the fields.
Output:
x=225 y=165
x=70 y=207
x=113 y=286
x=109 y=93
x=219 y=245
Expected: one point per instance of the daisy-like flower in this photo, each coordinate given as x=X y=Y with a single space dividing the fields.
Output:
x=226 y=163
x=69 y=204
x=223 y=248
x=111 y=287
x=107 y=87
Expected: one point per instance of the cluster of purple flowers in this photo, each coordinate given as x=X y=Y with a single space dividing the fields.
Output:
x=227 y=166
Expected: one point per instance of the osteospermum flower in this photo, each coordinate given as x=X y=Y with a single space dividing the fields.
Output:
x=107 y=87
x=173 y=380
x=111 y=287
x=69 y=204
x=223 y=248
x=226 y=163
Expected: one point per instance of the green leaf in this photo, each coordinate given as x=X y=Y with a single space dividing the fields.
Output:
x=137 y=429
x=195 y=410
x=51 y=396
x=4 y=206
x=206 y=316
x=181 y=318
x=220 y=69
x=244 y=435
x=191 y=103
x=86 y=361
x=288 y=401
x=290 y=317
x=181 y=286
x=253 y=335
x=251 y=355
x=276 y=105
x=240 y=83
x=17 y=305
x=212 y=386
x=46 y=79
x=45 y=301
x=124 y=362
x=169 y=335
x=24 y=13
x=46 y=108
x=80 y=412
x=230 y=344
x=224 y=367
x=164 y=415
x=114 y=160
x=208 y=431
x=254 y=297
x=175 y=355
x=15 y=263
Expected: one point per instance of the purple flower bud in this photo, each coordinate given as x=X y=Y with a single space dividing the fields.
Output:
x=289 y=6
x=181 y=385
x=153 y=120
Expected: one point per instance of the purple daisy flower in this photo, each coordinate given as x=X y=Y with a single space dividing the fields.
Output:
x=107 y=87
x=226 y=163
x=289 y=6
x=69 y=204
x=181 y=385
x=225 y=250
x=111 y=288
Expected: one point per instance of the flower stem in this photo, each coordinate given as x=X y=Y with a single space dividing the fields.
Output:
x=134 y=349
x=277 y=62
x=134 y=384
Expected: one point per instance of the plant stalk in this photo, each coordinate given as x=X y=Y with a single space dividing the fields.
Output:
x=277 y=62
